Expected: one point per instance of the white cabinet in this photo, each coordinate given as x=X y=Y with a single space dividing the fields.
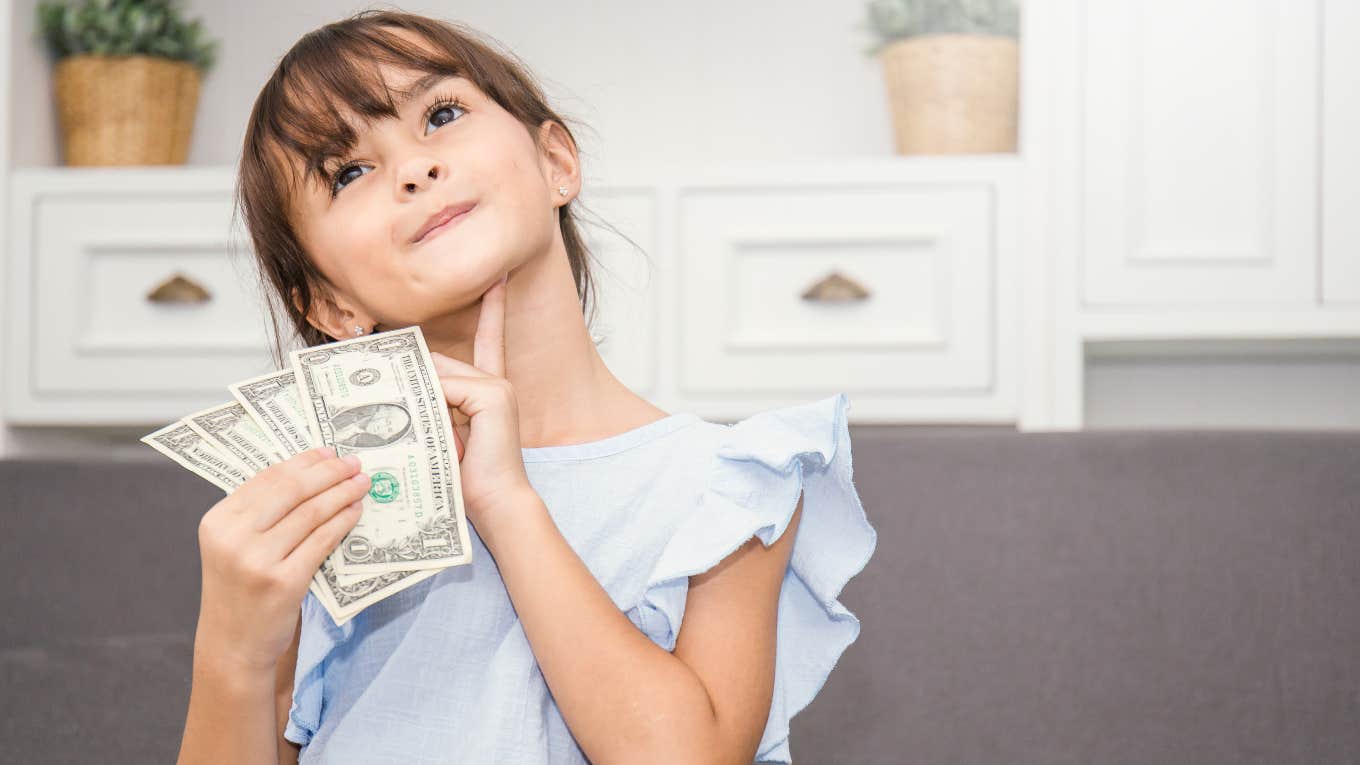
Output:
x=1199 y=157
x=90 y=338
x=1190 y=182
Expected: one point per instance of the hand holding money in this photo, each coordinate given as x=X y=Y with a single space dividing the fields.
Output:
x=260 y=547
x=377 y=398
x=492 y=463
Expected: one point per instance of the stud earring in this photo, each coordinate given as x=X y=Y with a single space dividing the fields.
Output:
x=358 y=331
x=562 y=190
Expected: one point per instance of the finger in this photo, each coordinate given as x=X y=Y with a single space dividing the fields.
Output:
x=301 y=521
x=248 y=496
x=460 y=436
x=303 y=459
x=488 y=348
x=312 y=456
x=470 y=395
x=279 y=493
x=447 y=365
x=307 y=557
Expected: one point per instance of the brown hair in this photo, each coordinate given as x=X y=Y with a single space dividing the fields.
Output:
x=293 y=124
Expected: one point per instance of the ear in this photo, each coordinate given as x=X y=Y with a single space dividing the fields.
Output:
x=561 y=162
x=334 y=316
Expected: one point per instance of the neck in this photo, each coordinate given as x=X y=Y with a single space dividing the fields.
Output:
x=565 y=392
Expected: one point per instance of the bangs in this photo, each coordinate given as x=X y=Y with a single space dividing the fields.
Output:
x=330 y=86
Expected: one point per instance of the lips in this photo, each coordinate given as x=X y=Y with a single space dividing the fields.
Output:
x=442 y=217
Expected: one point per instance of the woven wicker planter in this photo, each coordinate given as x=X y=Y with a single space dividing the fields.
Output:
x=125 y=110
x=953 y=94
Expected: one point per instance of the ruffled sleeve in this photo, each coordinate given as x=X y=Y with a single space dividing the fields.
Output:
x=756 y=475
x=318 y=638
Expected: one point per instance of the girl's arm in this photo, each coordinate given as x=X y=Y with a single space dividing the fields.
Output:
x=231 y=714
x=283 y=698
x=223 y=701
x=625 y=698
x=260 y=546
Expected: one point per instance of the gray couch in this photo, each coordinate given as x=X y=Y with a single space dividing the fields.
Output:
x=1135 y=597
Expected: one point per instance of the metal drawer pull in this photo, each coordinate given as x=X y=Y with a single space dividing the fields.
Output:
x=178 y=289
x=835 y=288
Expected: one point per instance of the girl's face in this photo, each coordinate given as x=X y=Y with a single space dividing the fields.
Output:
x=452 y=145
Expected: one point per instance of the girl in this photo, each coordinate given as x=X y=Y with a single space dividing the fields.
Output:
x=645 y=587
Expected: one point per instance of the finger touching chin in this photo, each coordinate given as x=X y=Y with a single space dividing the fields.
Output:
x=458 y=443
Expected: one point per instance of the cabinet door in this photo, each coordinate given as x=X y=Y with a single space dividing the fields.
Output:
x=1341 y=154
x=92 y=345
x=876 y=289
x=1200 y=155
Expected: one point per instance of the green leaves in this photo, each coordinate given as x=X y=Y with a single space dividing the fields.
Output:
x=897 y=19
x=122 y=28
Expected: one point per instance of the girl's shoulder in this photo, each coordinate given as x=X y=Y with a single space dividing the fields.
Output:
x=746 y=479
x=750 y=476
x=767 y=459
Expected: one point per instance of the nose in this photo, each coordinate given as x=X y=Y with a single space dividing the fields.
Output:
x=419 y=173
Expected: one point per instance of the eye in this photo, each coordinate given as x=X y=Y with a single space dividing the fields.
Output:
x=440 y=106
x=340 y=174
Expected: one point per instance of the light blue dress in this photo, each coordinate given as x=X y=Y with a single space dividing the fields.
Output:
x=442 y=672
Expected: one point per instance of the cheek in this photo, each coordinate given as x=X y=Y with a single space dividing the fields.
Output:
x=356 y=256
x=527 y=217
x=358 y=243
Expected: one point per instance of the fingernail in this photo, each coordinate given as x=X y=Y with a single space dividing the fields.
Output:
x=359 y=478
x=352 y=460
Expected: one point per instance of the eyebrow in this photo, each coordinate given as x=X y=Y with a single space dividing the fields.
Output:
x=419 y=88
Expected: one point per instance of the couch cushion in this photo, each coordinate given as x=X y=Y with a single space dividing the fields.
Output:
x=107 y=699
x=96 y=643
x=1101 y=597
x=105 y=549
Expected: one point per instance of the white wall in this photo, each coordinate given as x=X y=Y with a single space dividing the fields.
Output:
x=704 y=80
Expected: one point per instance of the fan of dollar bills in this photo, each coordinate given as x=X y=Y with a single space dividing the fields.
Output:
x=377 y=397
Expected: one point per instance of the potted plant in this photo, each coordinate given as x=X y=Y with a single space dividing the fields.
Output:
x=126 y=79
x=952 y=73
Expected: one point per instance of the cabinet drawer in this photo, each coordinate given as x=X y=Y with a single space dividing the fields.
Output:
x=96 y=335
x=921 y=257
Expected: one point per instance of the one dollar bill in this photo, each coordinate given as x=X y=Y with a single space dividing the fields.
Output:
x=378 y=397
